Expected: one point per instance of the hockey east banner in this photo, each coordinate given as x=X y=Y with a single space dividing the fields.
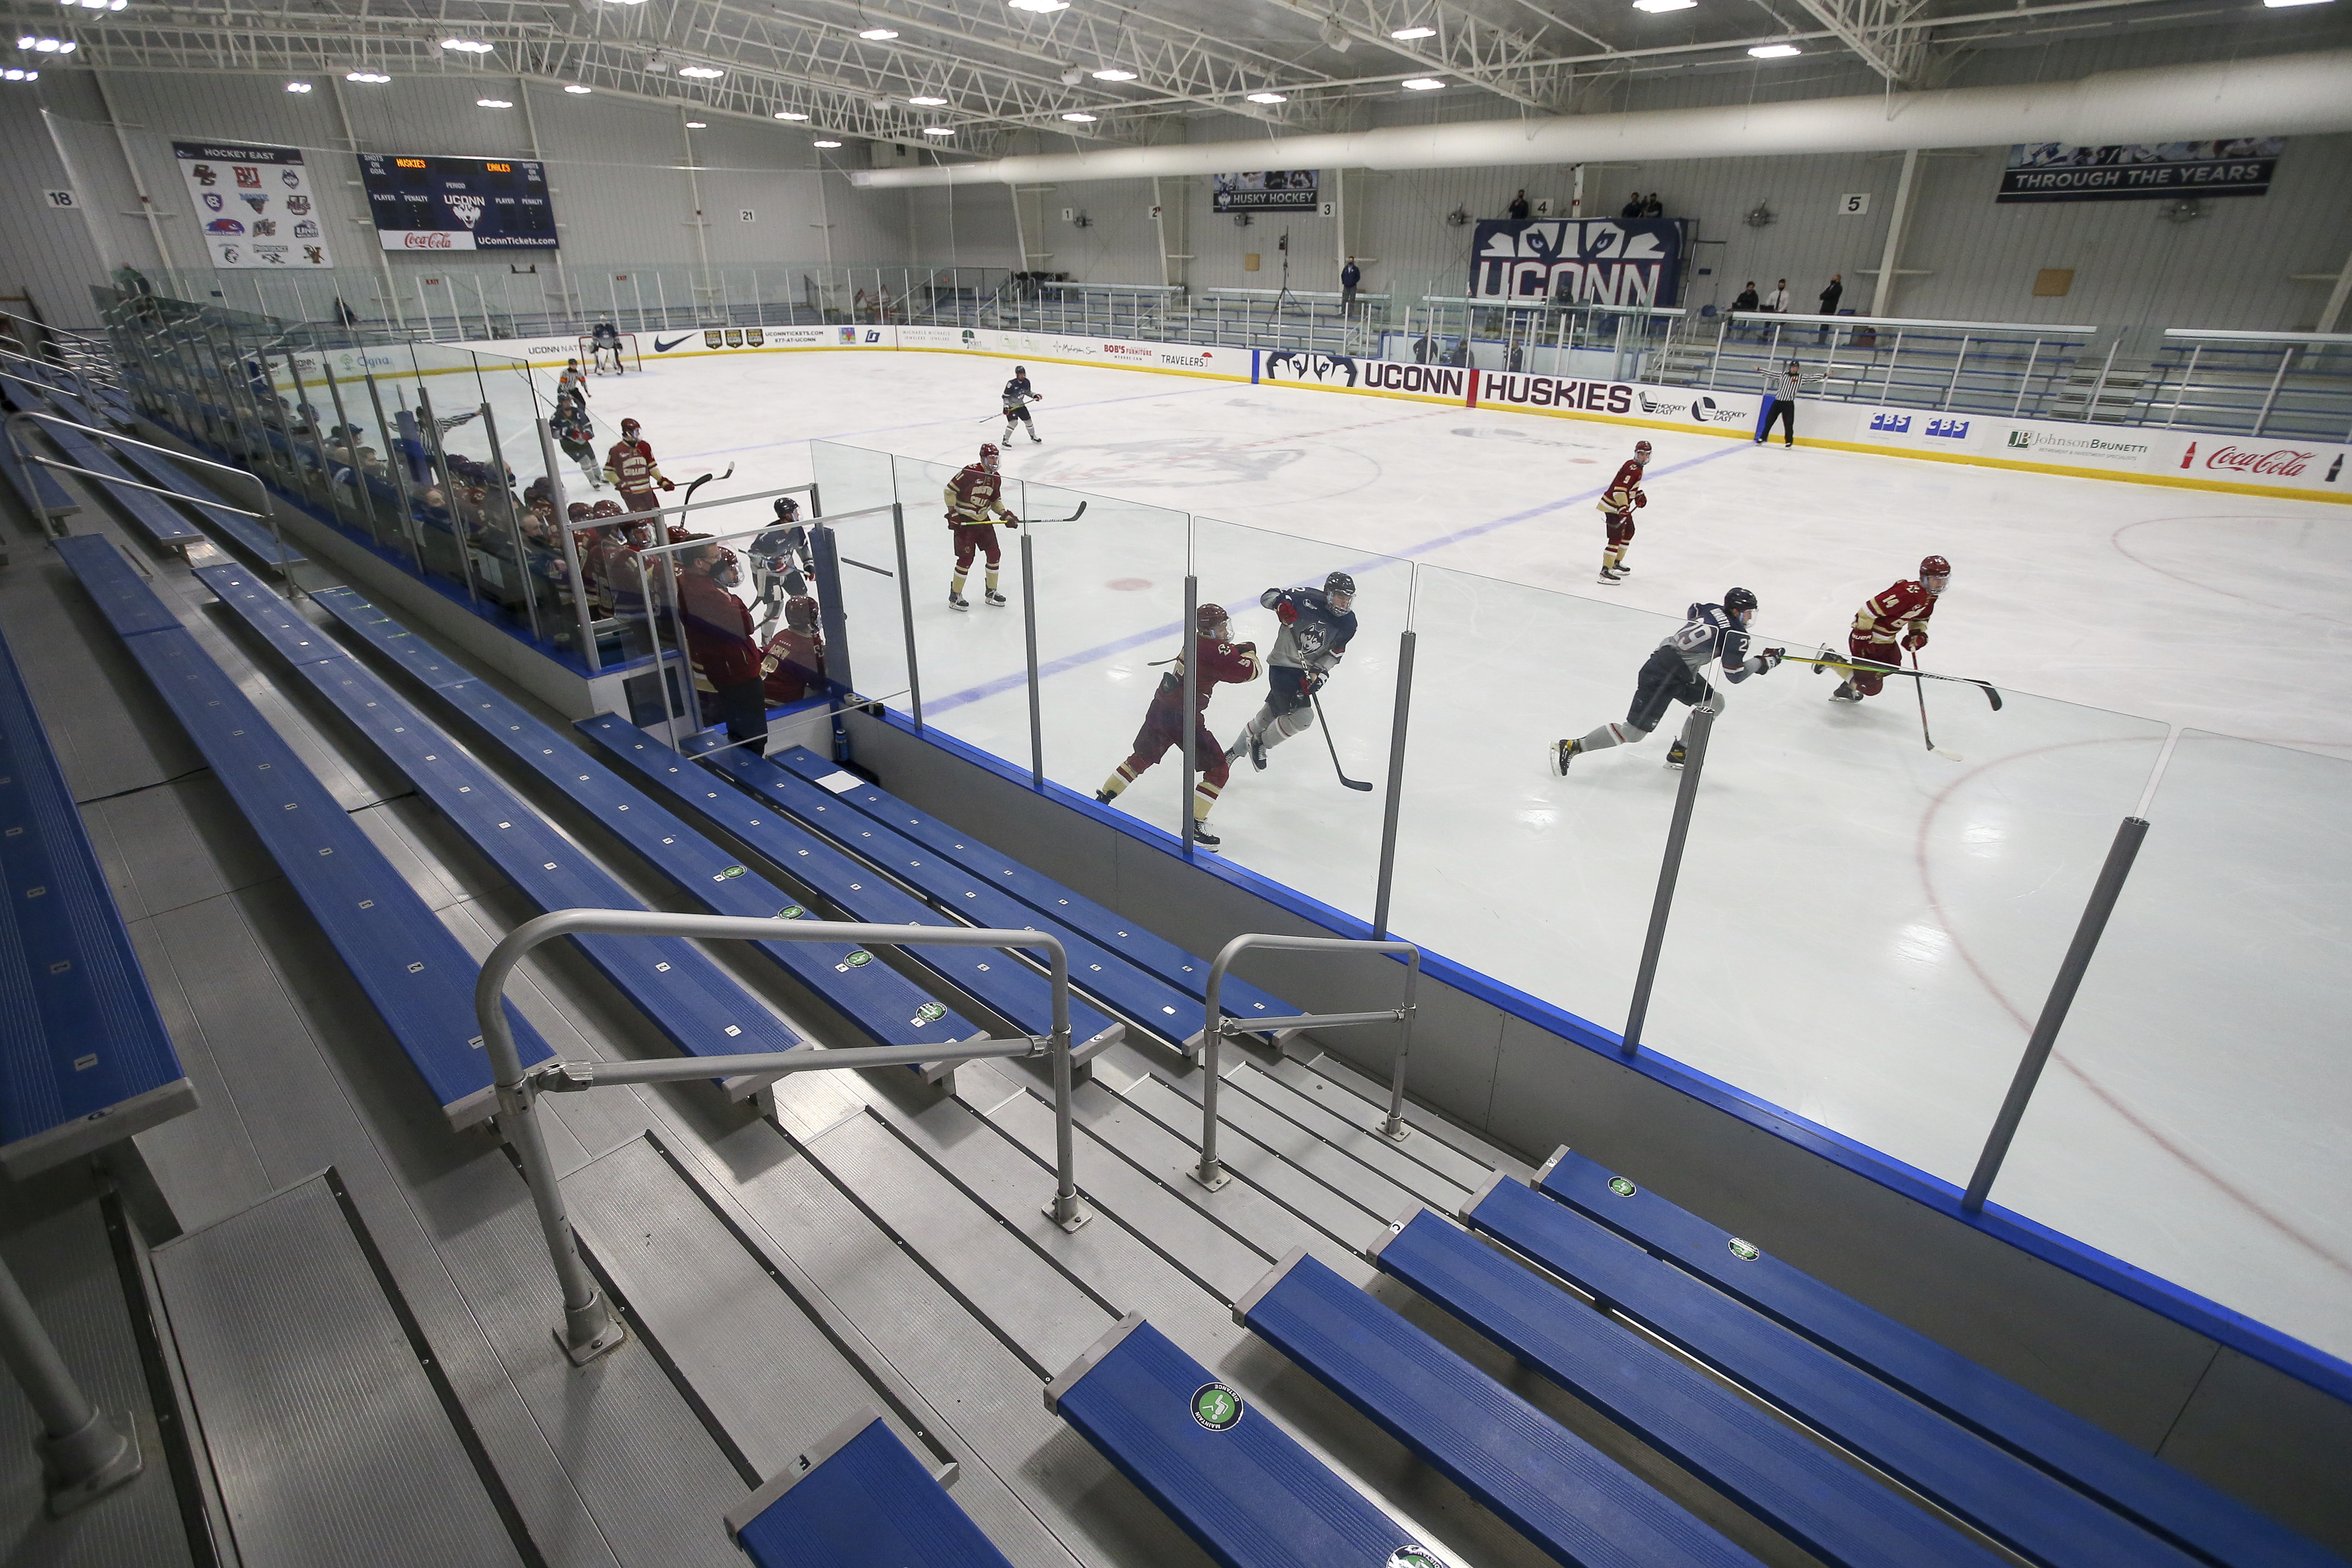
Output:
x=254 y=205
x=1588 y=261
x=457 y=204
x=2060 y=172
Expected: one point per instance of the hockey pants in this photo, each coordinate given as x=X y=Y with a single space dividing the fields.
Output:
x=1665 y=679
x=1289 y=707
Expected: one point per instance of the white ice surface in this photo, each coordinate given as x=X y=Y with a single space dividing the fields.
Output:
x=1865 y=931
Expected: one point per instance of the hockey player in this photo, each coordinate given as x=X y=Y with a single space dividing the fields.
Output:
x=1618 y=503
x=781 y=561
x=630 y=469
x=792 y=665
x=576 y=432
x=975 y=499
x=604 y=348
x=572 y=383
x=1890 y=623
x=726 y=662
x=1317 y=625
x=1018 y=396
x=1221 y=660
x=1675 y=672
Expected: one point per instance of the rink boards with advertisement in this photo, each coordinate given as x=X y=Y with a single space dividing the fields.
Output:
x=2302 y=470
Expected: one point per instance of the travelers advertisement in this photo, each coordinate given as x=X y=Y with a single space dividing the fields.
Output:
x=2060 y=172
x=1592 y=261
x=1266 y=191
x=254 y=205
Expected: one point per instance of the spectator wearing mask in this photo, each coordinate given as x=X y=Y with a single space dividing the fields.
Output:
x=1633 y=205
x=1350 y=276
x=1654 y=208
x=1777 y=302
x=1519 y=208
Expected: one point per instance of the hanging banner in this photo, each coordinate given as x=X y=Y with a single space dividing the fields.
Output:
x=1266 y=191
x=457 y=204
x=2060 y=172
x=253 y=205
x=1591 y=261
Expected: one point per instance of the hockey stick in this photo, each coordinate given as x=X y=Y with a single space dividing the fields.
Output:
x=1072 y=518
x=1827 y=660
x=688 y=504
x=1919 y=688
x=1351 y=784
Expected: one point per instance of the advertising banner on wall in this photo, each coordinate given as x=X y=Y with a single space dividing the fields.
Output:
x=1592 y=261
x=1266 y=191
x=457 y=204
x=2060 y=172
x=253 y=205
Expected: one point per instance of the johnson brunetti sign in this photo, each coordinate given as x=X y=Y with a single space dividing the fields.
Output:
x=2060 y=172
x=1594 y=261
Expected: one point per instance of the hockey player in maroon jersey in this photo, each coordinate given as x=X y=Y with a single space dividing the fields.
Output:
x=975 y=502
x=793 y=664
x=1220 y=660
x=1890 y=623
x=725 y=661
x=1618 y=503
x=630 y=469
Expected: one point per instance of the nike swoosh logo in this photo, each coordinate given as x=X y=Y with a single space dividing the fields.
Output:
x=662 y=348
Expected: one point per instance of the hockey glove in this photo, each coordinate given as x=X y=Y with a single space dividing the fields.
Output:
x=1639 y=499
x=1767 y=660
x=1916 y=641
x=668 y=485
x=1284 y=611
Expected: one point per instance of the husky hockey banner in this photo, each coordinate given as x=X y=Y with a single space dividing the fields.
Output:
x=1266 y=191
x=2058 y=172
x=1598 y=261
x=458 y=204
x=253 y=205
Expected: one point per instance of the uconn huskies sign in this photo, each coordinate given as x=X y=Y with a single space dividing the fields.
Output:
x=1592 y=261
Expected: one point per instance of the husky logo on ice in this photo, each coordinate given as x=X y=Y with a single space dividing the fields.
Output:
x=714 y=338
x=1297 y=364
x=734 y=337
x=1948 y=429
x=466 y=210
x=1603 y=262
x=1891 y=424
x=753 y=337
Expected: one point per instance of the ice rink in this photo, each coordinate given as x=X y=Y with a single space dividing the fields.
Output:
x=1865 y=930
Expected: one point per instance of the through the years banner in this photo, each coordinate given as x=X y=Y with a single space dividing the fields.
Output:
x=1600 y=261
x=2060 y=172
x=253 y=205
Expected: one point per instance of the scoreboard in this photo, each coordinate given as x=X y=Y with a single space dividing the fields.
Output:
x=458 y=204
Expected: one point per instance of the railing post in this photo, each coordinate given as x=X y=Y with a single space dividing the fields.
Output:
x=1189 y=717
x=2025 y=382
x=1029 y=637
x=2091 y=408
x=906 y=613
x=1394 y=1128
x=1960 y=361
x=2187 y=377
x=1208 y=1172
x=2103 y=893
x=578 y=580
x=83 y=1453
x=1389 y=807
x=1702 y=720
x=2285 y=359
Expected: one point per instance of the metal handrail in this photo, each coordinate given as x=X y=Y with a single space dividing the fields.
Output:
x=590 y=1329
x=1217 y=1026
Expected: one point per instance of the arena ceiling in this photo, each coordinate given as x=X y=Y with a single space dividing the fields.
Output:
x=963 y=75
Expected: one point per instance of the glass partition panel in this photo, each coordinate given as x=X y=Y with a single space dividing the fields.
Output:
x=2191 y=1119
x=1865 y=928
x=851 y=482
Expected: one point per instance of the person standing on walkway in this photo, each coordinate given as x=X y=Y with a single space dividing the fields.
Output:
x=1350 y=277
x=1777 y=302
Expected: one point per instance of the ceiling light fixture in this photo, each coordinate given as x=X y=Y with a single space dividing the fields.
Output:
x=466 y=45
x=1422 y=84
x=697 y=125
x=936 y=131
x=46 y=46
x=826 y=144
x=298 y=87
x=879 y=35
x=701 y=73
x=1076 y=118
x=1042 y=7
x=1664 y=4
x=13 y=74
x=1420 y=32
x=365 y=76
x=1269 y=97
x=575 y=87
x=1775 y=51
x=925 y=100
x=493 y=104
x=790 y=114
x=1114 y=75
x=2274 y=5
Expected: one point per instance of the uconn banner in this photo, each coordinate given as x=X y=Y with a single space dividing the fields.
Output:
x=1597 y=261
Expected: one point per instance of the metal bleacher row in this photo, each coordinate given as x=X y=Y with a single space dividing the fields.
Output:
x=1846 y=1436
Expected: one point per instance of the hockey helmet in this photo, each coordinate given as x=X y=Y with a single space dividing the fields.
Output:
x=728 y=572
x=788 y=509
x=577 y=510
x=1021 y=370
x=1214 y=621
x=1741 y=604
x=1935 y=572
x=1339 y=586
x=1641 y=451
x=606 y=509
x=629 y=428
x=987 y=455
x=800 y=613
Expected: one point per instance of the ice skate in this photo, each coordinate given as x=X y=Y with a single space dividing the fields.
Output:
x=1623 y=570
x=1845 y=693
x=1675 y=756
x=1037 y=440
x=1102 y=797
x=1256 y=744
x=1563 y=753
x=1608 y=577
x=993 y=597
x=1202 y=837
x=957 y=600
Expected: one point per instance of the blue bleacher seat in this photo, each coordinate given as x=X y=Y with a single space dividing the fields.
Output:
x=84 y=1058
x=1234 y=1481
x=860 y=1500
x=415 y=971
x=1572 y=1501
x=151 y=514
x=695 y=1004
x=883 y=1005
x=38 y=485
x=1021 y=994
x=2207 y=1522
x=1122 y=985
x=2023 y=1508
x=1825 y=1505
x=1155 y=954
x=251 y=533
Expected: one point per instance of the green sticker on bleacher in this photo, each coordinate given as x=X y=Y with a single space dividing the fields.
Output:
x=929 y=1013
x=1411 y=1554
x=791 y=912
x=1746 y=1251
x=858 y=959
x=1216 y=1407
x=1622 y=1187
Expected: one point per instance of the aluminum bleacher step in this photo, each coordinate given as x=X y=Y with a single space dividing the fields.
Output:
x=859 y=1499
x=1448 y=1148
x=250 y=533
x=2023 y=1508
x=410 y=964
x=1565 y=1496
x=2168 y=1500
x=1832 y=1509
x=678 y=987
x=1236 y=1482
x=150 y=513
x=335 y=1437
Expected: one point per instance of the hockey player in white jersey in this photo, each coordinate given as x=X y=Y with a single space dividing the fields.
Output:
x=1675 y=671
x=1018 y=396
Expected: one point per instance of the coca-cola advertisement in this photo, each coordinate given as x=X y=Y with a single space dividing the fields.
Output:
x=2305 y=466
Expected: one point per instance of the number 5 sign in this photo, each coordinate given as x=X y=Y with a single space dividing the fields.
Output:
x=1854 y=206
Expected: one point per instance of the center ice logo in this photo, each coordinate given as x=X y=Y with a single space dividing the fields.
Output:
x=467 y=210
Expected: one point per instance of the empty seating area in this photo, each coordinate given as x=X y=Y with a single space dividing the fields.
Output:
x=243 y=967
